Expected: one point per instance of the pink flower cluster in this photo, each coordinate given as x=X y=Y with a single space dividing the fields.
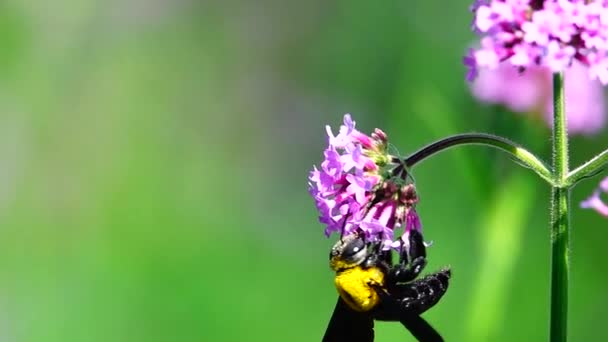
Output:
x=532 y=92
x=595 y=202
x=550 y=33
x=356 y=189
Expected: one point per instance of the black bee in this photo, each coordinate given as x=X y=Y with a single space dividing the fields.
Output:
x=372 y=288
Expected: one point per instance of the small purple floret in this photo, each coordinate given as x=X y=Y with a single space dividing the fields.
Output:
x=470 y=62
x=595 y=201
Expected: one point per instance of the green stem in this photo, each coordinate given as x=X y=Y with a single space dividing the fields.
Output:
x=559 y=217
x=524 y=156
x=588 y=169
x=559 y=265
x=560 y=137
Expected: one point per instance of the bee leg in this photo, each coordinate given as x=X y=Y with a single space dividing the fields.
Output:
x=417 y=248
x=385 y=297
x=407 y=271
x=392 y=310
x=377 y=257
x=420 y=295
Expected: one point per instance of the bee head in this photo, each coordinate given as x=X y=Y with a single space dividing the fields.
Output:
x=348 y=252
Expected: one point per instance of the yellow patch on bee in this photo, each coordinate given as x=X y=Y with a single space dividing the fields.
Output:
x=353 y=285
x=337 y=263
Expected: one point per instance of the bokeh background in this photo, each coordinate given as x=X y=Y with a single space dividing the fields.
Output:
x=154 y=156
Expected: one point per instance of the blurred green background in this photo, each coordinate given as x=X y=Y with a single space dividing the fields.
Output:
x=154 y=157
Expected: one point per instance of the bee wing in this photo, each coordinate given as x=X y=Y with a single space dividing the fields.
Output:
x=420 y=328
x=348 y=325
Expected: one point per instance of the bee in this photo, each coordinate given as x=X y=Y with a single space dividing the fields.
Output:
x=371 y=287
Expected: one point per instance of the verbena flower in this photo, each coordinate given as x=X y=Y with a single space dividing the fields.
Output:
x=360 y=188
x=531 y=92
x=595 y=201
x=549 y=33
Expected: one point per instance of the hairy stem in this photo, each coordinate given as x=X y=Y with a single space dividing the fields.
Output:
x=588 y=169
x=559 y=264
x=522 y=155
x=559 y=217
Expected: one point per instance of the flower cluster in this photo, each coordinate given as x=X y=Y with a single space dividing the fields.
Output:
x=550 y=33
x=595 y=202
x=361 y=189
x=531 y=92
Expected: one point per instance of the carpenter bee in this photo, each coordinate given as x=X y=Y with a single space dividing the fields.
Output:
x=372 y=288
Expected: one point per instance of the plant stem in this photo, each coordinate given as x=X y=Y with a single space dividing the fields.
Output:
x=560 y=137
x=588 y=169
x=522 y=155
x=559 y=217
x=559 y=265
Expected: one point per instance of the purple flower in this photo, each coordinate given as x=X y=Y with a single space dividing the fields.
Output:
x=595 y=201
x=532 y=92
x=537 y=33
x=412 y=221
x=469 y=62
x=358 y=190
